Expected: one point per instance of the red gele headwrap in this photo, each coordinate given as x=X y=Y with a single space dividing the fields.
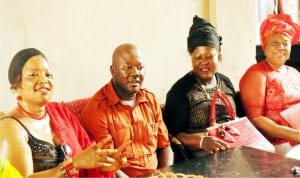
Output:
x=279 y=23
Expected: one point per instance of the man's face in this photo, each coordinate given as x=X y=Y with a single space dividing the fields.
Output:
x=128 y=73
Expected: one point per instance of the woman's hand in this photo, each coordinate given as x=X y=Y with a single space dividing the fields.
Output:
x=119 y=157
x=298 y=136
x=95 y=156
x=212 y=144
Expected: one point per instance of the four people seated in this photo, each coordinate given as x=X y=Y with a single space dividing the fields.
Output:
x=42 y=138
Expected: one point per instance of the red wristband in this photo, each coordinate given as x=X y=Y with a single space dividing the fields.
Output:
x=69 y=169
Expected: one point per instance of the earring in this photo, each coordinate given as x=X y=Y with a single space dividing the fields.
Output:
x=19 y=97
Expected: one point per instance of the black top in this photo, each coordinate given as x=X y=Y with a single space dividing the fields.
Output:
x=44 y=154
x=187 y=106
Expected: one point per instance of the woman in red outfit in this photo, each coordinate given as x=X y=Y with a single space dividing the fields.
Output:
x=43 y=139
x=270 y=90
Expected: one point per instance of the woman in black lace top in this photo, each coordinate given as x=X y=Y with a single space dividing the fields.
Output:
x=187 y=109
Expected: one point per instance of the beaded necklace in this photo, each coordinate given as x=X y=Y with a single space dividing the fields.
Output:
x=31 y=114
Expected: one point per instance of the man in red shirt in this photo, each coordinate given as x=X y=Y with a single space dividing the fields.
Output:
x=126 y=111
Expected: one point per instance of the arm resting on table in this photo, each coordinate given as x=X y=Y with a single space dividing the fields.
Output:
x=165 y=157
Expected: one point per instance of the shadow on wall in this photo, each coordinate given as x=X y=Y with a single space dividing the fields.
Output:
x=294 y=57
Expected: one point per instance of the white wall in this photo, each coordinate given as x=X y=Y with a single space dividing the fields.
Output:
x=78 y=38
x=236 y=22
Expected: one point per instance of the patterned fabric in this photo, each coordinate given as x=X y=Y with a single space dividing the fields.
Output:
x=69 y=131
x=142 y=124
x=76 y=106
x=271 y=93
x=44 y=155
x=187 y=106
x=200 y=101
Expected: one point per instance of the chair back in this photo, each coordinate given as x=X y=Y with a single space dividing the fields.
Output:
x=76 y=106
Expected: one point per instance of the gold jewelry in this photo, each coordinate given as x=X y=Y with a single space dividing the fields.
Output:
x=208 y=91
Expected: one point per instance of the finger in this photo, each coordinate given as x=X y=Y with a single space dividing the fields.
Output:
x=107 y=159
x=223 y=143
x=215 y=149
x=103 y=142
x=124 y=165
x=124 y=145
x=103 y=164
x=125 y=154
x=106 y=152
x=123 y=162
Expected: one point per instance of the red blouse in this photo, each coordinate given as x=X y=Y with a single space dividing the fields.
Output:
x=265 y=92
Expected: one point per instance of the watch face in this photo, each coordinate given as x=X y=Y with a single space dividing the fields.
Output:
x=66 y=149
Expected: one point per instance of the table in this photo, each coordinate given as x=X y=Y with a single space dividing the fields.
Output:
x=294 y=152
x=237 y=162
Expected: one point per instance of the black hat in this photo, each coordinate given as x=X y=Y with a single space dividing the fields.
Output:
x=203 y=33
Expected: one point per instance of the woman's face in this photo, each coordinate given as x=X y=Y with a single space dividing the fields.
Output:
x=205 y=62
x=36 y=85
x=278 y=50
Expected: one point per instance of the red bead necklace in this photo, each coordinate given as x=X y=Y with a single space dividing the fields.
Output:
x=30 y=114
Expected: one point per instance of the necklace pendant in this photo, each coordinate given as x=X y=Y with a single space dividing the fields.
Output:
x=207 y=96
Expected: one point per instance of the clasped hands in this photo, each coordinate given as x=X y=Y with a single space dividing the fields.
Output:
x=108 y=160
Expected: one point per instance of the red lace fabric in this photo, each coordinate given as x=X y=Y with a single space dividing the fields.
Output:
x=265 y=92
x=76 y=106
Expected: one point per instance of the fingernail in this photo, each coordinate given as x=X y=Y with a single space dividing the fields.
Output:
x=124 y=160
x=110 y=159
x=106 y=165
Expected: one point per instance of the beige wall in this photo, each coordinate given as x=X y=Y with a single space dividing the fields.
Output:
x=78 y=38
x=236 y=23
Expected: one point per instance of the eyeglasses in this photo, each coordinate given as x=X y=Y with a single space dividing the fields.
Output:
x=277 y=44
